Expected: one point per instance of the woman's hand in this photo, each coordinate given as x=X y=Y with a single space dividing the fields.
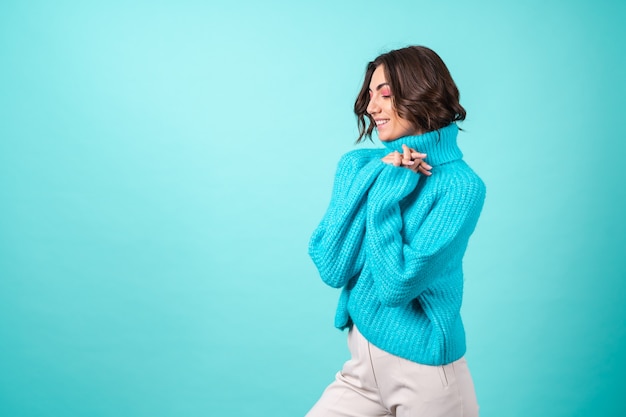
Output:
x=410 y=159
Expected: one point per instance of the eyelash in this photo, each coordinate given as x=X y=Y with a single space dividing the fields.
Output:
x=382 y=95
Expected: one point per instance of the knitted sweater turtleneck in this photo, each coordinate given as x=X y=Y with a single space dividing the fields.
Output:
x=394 y=240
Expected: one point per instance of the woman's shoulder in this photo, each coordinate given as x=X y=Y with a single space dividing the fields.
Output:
x=459 y=177
x=360 y=157
x=363 y=153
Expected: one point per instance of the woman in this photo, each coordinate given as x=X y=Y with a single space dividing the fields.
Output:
x=393 y=238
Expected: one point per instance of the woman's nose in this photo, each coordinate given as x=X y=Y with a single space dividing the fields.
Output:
x=372 y=106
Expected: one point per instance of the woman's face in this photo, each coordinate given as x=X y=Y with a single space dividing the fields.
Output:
x=389 y=124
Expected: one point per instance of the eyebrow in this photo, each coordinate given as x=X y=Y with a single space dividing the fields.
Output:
x=379 y=86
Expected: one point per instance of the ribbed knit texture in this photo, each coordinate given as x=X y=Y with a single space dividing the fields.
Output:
x=394 y=241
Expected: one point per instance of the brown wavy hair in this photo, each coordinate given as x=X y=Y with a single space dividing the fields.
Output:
x=423 y=91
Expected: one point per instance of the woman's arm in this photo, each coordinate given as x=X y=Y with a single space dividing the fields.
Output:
x=404 y=266
x=335 y=246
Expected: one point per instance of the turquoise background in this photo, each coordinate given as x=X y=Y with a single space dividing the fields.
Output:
x=163 y=164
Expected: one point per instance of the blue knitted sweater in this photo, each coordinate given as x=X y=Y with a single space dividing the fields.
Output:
x=394 y=241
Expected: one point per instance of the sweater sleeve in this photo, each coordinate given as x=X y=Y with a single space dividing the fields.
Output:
x=404 y=266
x=335 y=246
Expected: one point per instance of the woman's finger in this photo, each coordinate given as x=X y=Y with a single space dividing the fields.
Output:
x=424 y=169
x=397 y=159
x=406 y=156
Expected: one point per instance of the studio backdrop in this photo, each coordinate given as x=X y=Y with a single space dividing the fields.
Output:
x=164 y=163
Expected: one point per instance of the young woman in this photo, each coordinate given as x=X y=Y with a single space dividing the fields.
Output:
x=393 y=239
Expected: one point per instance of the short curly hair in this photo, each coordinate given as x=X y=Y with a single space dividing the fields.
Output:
x=423 y=90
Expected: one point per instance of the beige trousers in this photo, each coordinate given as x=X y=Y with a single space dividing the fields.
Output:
x=376 y=383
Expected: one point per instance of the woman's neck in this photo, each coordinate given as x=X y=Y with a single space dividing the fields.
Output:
x=439 y=145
